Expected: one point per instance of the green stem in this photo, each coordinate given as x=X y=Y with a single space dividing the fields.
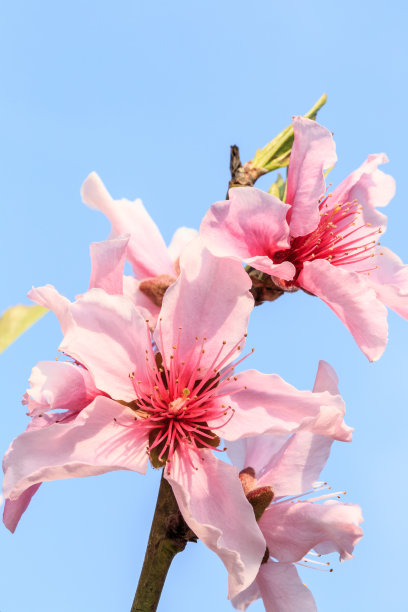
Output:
x=169 y=535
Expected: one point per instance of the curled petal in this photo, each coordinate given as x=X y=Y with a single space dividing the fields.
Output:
x=354 y=302
x=292 y=529
x=368 y=185
x=147 y=251
x=108 y=262
x=59 y=385
x=49 y=297
x=326 y=379
x=214 y=506
x=313 y=152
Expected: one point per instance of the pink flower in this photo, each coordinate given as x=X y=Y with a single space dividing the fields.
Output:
x=279 y=478
x=174 y=395
x=324 y=243
x=155 y=266
x=66 y=387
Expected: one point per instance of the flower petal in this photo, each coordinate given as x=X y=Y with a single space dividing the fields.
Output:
x=210 y=302
x=313 y=151
x=99 y=440
x=251 y=226
x=49 y=297
x=367 y=184
x=108 y=262
x=292 y=530
x=147 y=251
x=180 y=240
x=59 y=385
x=282 y=590
x=256 y=451
x=326 y=379
x=297 y=466
x=148 y=309
x=353 y=301
x=245 y=598
x=265 y=403
x=214 y=506
x=390 y=281
x=15 y=508
x=109 y=337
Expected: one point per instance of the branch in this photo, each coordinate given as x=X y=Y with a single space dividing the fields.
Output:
x=168 y=536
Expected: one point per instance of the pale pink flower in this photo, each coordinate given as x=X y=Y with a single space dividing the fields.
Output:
x=170 y=400
x=324 y=243
x=280 y=478
x=60 y=390
x=155 y=266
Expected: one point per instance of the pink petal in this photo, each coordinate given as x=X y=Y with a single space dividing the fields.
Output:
x=148 y=309
x=147 y=251
x=210 y=300
x=353 y=301
x=390 y=281
x=326 y=379
x=99 y=440
x=108 y=262
x=251 y=226
x=282 y=590
x=255 y=452
x=367 y=184
x=14 y=509
x=109 y=337
x=292 y=530
x=245 y=598
x=59 y=385
x=214 y=506
x=49 y=297
x=268 y=404
x=313 y=152
x=180 y=240
x=297 y=466
x=265 y=450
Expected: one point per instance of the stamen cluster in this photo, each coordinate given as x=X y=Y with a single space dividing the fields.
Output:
x=180 y=399
x=340 y=238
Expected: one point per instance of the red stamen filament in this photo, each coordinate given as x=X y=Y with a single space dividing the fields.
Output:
x=176 y=402
x=331 y=239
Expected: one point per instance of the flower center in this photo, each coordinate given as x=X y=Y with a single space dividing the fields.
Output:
x=180 y=398
x=340 y=238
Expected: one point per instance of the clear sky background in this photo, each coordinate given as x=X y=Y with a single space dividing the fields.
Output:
x=151 y=96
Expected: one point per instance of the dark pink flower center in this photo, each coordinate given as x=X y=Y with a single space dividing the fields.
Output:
x=181 y=398
x=340 y=238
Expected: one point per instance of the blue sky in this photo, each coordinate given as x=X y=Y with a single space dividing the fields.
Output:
x=151 y=96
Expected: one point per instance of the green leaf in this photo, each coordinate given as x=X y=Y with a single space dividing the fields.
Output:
x=15 y=320
x=277 y=152
x=278 y=188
